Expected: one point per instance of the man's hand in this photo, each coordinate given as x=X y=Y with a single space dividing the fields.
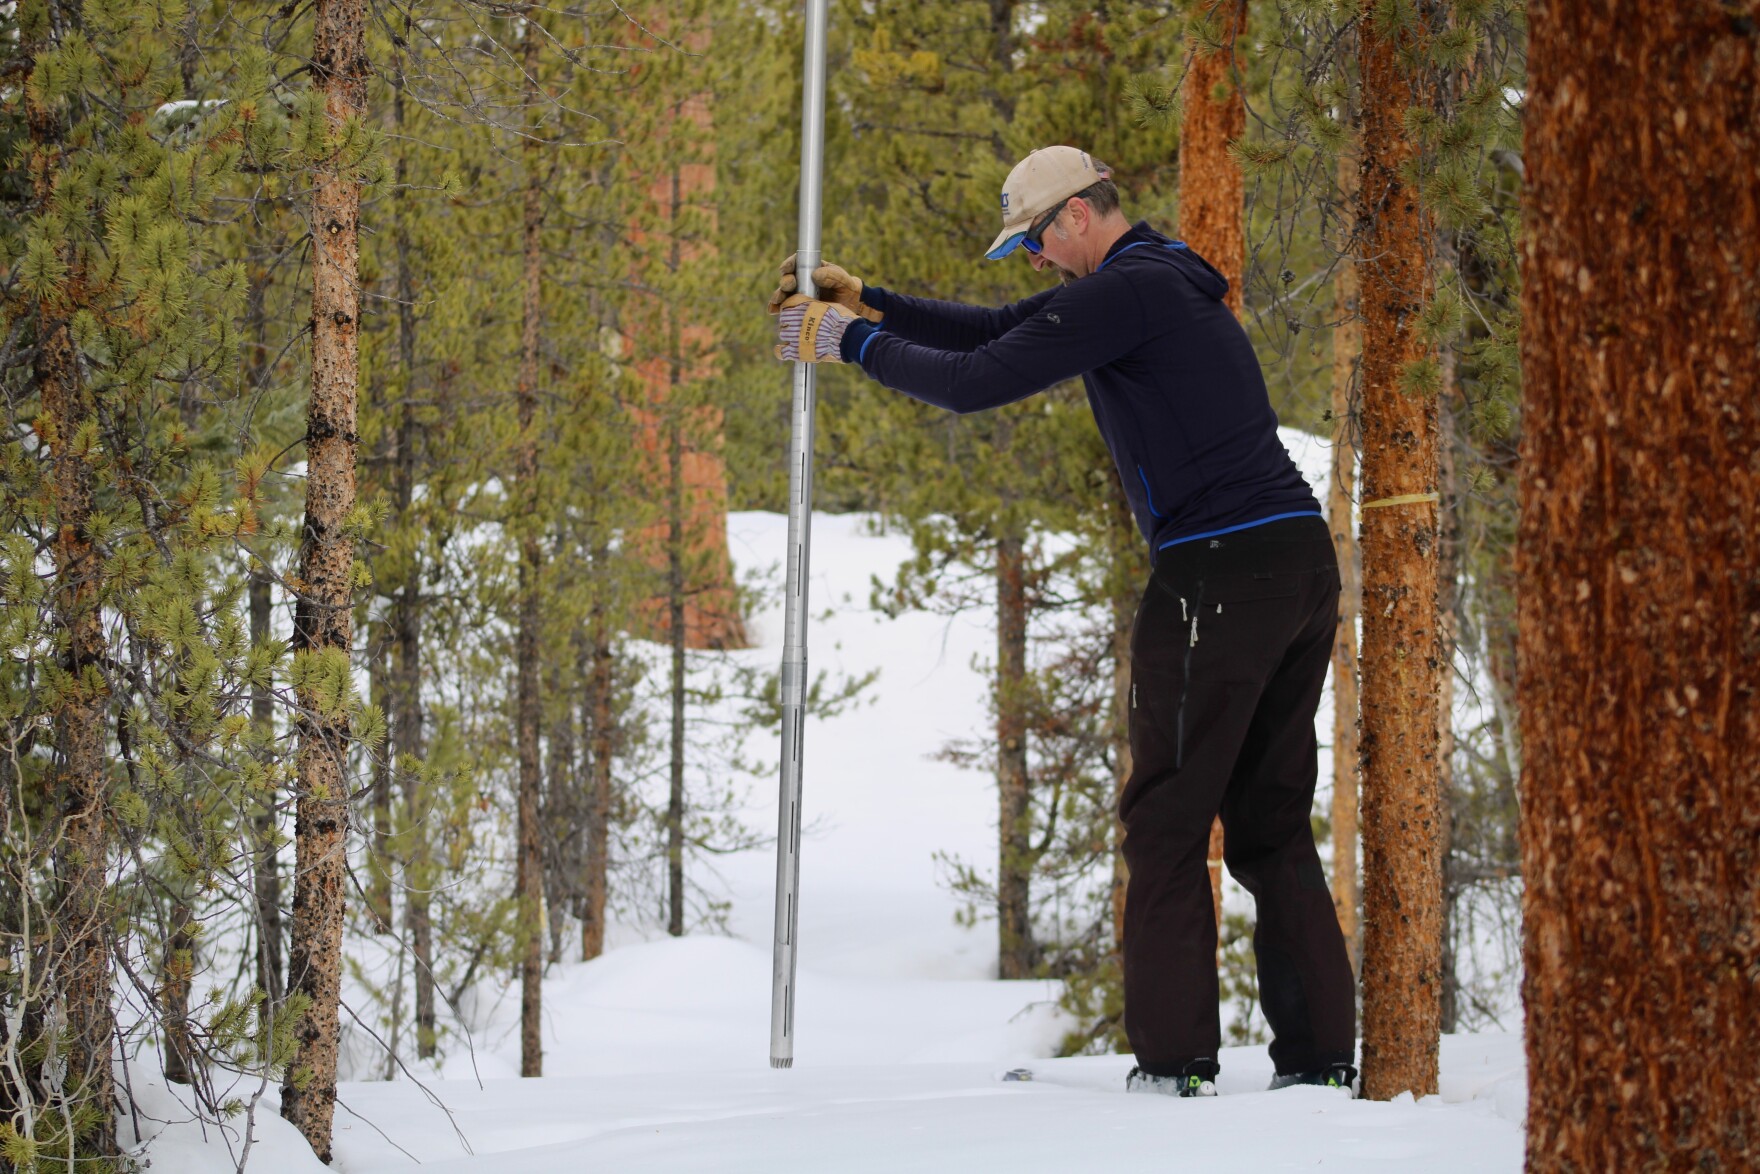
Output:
x=832 y=283
x=811 y=331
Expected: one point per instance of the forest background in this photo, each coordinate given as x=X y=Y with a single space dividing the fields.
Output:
x=377 y=380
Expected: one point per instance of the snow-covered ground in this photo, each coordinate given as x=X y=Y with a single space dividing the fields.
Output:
x=656 y=1055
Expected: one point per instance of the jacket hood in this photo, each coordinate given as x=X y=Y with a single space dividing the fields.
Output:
x=1193 y=267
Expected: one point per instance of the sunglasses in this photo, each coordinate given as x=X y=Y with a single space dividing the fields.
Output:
x=1030 y=242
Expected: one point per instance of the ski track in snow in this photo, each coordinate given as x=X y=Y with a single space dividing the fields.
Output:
x=656 y=1055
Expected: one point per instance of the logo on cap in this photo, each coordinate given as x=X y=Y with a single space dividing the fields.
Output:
x=1005 y=203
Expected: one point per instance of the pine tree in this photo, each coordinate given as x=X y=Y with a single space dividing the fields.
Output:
x=1212 y=193
x=264 y=242
x=67 y=424
x=603 y=576
x=271 y=967
x=408 y=750
x=322 y=616
x=1401 y=660
x=120 y=669
x=1639 y=609
x=696 y=607
x=438 y=361
x=598 y=708
x=1461 y=59
x=529 y=887
x=675 y=325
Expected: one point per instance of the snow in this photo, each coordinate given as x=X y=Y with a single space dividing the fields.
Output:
x=656 y=1054
x=703 y=1003
x=931 y=1117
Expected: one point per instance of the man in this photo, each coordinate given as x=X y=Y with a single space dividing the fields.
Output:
x=1234 y=633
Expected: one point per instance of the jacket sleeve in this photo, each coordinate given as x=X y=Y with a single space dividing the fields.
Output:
x=949 y=326
x=1075 y=329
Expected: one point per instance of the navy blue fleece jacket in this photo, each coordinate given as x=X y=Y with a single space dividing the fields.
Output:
x=1171 y=377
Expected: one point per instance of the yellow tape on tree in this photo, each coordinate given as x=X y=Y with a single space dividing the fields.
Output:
x=1402 y=499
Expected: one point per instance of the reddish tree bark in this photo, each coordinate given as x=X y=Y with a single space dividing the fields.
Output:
x=711 y=607
x=1638 y=567
x=326 y=571
x=1212 y=193
x=1401 y=660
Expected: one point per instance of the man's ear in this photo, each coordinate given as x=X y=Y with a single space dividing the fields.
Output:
x=1080 y=215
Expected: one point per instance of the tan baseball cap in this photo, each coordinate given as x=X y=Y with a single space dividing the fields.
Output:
x=1038 y=184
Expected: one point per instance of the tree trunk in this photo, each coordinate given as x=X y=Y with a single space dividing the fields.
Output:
x=1347 y=345
x=1123 y=618
x=530 y=874
x=1017 y=953
x=266 y=882
x=177 y=967
x=1402 y=659
x=675 y=606
x=1447 y=597
x=408 y=735
x=1639 y=588
x=678 y=544
x=379 y=846
x=265 y=863
x=321 y=627
x=1212 y=194
x=1212 y=210
x=80 y=857
x=1127 y=570
x=598 y=830
x=1014 y=910
x=561 y=869
x=416 y=852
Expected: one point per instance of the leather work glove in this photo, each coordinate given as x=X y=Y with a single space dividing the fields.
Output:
x=809 y=330
x=833 y=283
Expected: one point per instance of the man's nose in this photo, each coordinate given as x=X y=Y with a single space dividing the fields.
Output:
x=1038 y=260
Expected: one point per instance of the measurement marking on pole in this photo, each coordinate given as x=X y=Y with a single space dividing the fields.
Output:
x=789 y=940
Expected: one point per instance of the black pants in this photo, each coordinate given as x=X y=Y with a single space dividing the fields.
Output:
x=1228 y=659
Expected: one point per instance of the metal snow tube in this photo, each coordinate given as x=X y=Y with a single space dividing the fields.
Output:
x=800 y=518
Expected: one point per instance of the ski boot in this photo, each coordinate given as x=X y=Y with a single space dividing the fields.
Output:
x=1332 y=1076
x=1196 y=1079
